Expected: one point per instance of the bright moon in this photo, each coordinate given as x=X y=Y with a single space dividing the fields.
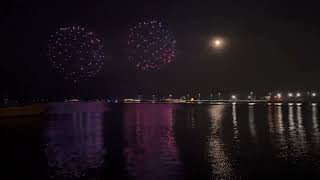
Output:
x=216 y=43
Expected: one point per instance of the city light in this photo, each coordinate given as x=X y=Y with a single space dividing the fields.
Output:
x=289 y=98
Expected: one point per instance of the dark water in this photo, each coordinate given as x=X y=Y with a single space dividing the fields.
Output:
x=162 y=141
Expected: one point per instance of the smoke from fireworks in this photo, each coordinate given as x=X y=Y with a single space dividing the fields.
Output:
x=151 y=45
x=76 y=53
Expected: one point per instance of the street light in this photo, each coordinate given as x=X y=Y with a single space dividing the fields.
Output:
x=290 y=94
x=219 y=94
x=251 y=95
x=298 y=95
x=313 y=94
x=234 y=97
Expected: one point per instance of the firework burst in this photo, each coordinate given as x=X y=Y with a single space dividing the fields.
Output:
x=76 y=53
x=151 y=45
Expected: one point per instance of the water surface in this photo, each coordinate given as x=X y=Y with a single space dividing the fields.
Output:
x=162 y=141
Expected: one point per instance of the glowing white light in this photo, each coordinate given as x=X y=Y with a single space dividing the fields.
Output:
x=290 y=94
x=234 y=97
x=298 y=95
x=217 y=42
x=314 y=94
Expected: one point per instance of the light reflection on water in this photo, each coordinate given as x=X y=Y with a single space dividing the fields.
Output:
x=279 y=132
x=150 y=151
x=235 y=126
x=297 y=138
x=75 y=139
x=166 y=141
x=252 y=126
x=220 y=163
x=301 y=132
x=315 y=125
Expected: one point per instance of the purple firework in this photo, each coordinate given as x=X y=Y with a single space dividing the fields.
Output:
x=76 y=53
x=151 y=45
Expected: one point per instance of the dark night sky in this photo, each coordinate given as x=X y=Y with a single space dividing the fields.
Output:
x=272 y=45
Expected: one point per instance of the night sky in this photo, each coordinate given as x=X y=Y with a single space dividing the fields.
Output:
x=270 y=45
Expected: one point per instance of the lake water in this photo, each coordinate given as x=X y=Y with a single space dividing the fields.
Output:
x=162 y=141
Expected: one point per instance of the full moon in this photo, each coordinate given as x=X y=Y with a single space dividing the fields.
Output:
x=216 y=43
